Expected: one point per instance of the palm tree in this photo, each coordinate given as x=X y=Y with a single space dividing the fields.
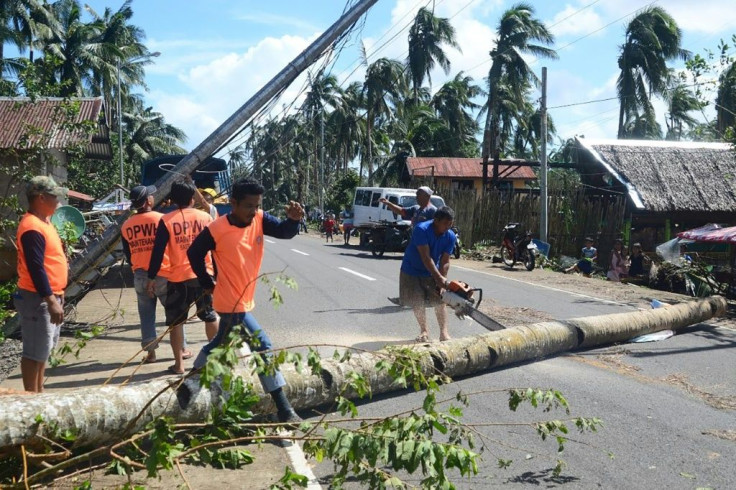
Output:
x=453 y=103
x=518 y=33
x=680 y=102
x=385 y=81
x=652 y=38
x=726 y=101
x=148 y=136
x=122 y=54
x=72 y=43
x=20 y=22
x=323 y=91
x=426 y=37
x=346 y=126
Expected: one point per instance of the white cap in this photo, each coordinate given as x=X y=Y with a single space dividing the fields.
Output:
x=426 y=190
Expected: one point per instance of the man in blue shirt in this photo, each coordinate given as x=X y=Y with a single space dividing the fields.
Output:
x=424 y=270
x=423 y=210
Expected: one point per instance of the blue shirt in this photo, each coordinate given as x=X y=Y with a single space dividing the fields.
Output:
x=589 y=252
x=419 y=215
x=424 y=234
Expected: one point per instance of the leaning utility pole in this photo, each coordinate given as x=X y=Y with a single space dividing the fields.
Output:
x=96 y=251
x=543 y=161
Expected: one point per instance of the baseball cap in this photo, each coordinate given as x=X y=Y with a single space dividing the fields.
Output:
x=426 y=190
x=42 y=184
x=210 y=191
x=140 y=193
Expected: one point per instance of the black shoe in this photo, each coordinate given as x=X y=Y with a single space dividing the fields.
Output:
x=395 y=301
x=289 y=416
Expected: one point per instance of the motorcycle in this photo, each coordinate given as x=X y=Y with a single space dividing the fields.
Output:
x=458 y=244
x=516 y=247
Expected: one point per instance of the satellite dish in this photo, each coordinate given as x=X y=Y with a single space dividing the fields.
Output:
x=69 y=214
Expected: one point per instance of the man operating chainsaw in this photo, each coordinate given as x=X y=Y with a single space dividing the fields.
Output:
x=424 y=270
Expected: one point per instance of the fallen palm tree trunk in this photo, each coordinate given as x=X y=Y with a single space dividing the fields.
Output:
x=100 y=414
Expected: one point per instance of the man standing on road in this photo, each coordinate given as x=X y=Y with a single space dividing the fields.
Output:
x=423 y=210
x=236 y=242
x=42 y=277
x=138 y=233
x=424 y=270
x=174 y=234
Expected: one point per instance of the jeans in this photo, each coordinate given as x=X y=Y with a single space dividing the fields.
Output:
x=249 y=323
x=147 y=307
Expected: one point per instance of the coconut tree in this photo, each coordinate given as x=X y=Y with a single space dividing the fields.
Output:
x=518 y=33
x=427 y=36
x=726 y=101
x=385 y=81
x=453 y=103
x=324 y=92
x=346 y=126
x=652 y=38
x=681 y=101
x=148 y=136
x=121 y=54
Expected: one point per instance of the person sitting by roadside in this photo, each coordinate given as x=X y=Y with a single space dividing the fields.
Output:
x=637 y=261
x=617 y=270
x=589 y=255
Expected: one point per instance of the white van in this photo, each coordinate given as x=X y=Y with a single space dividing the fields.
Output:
x=369 y=213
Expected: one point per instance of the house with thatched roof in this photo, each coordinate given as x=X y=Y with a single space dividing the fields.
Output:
x=670 y=186
x=467 y=173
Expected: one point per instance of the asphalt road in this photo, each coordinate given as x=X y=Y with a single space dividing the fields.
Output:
x=668 y=408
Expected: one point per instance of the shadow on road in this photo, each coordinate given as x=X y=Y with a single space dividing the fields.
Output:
x=369 y=255
x=382 y=310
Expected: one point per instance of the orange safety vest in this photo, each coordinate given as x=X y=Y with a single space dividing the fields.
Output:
x=140 y=232
x=54 y=258
x=184 y=225
x=238 y=253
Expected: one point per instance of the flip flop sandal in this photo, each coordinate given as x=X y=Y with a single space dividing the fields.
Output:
x=148 y=360
x=172 y=370
x=422 y=339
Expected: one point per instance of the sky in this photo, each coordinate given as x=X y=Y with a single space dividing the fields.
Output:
x=216 y=54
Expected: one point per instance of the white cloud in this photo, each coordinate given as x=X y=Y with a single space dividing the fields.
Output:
x=575 y=20
x=216 y=89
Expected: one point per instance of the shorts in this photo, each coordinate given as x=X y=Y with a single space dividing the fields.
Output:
x=418 y=291
x=179 y=298
x=40 y=336
x=585 y=266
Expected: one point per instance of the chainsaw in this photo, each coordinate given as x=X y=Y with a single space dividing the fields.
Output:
x=459 y=296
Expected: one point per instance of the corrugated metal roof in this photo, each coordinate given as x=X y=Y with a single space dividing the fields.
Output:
x=464 y=168
x=24 y=123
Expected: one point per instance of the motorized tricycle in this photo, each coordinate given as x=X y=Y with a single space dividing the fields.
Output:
x=390 y=237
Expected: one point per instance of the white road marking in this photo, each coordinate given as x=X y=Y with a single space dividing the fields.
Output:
x=299 y=251
x=299 y=462
x=546 y=287
x=369 y=278
x=268 y=241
